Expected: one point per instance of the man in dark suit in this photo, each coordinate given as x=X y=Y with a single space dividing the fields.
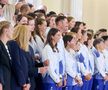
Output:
x=5 y=59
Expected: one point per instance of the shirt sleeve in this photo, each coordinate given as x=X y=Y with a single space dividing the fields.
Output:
x=47 y=54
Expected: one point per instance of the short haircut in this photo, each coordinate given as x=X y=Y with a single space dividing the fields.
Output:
x=20 y=16
x=97 y=41
x=59 y=18
x=51 y=13
x=24 y=8
x=75 y=30
x=67 y=38
x=105 y=38
x=40 y=11
x=69 y=18
x=103 y=30
x=33 y=15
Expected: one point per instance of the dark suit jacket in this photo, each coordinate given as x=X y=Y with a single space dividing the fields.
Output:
x=5 y=67
x=33 y=71
x=19 y=66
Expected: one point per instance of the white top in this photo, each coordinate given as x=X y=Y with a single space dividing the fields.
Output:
x=53 y=57
x=91 y=60
x=47 y=30
x=2 y=18
x=33 y=45
x=84 y=66
x=40 y=44
x=100 y=64
x=105 y=52
x=72 y=65
x=62 y=57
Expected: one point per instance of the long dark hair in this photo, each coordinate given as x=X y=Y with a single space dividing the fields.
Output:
x=51 y=33
x=39 y=21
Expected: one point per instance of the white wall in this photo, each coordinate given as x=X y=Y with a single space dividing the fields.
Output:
x=54 y=5
x=95 y=12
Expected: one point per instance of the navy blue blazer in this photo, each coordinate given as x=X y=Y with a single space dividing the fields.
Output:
x=19 y=66
x=5 y=67
x=33 y=70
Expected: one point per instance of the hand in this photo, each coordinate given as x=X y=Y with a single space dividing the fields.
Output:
x=78 y=80
x=65 y=82
x=28 y=86
x=59 y=84
x=46 y=63
x=43 y=70
x=37 y=57
x=1 y=87
x=106 y=78
x=88 y=77
x=25 y=87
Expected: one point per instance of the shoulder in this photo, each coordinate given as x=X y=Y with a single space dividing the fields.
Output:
x=47 y=49
x=1 y=45
x=13 y=44
x=37 y=37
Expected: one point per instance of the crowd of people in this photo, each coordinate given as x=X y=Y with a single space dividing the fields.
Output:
x=49 y=51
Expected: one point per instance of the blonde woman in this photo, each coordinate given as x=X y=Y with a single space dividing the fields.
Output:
x=19 y=47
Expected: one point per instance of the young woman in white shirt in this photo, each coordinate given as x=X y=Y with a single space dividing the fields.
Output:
x=52 y=80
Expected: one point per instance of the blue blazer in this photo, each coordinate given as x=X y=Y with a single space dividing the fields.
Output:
x=33 y=70
x=5 y=67
x=19 y=66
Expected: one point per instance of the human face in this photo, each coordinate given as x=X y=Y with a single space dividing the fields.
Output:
x=71 y=23
x=56 y=37
x=84 y=36
x=9 y=32
x=101 y=46
x=52 y=22
x=65 y=25
x=78 y=35
x=24 y=20
x=31 y=25
x=104 y=33
x=90 y=43
x=43 y=27
x=106 y=43
x=81 y=26
x=72 y=43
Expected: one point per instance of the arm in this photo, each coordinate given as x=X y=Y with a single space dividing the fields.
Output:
x=48 y=55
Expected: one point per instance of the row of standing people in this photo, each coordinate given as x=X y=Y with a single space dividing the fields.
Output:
x=70 y=62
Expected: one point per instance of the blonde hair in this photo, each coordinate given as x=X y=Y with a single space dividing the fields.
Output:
x=22 y=36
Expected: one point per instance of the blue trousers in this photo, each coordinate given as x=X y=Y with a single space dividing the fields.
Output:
x=106 y=85
x=98 y=84
x=68 y=88
x=90 y=84
x=50 y=86
x=76 y=87
x=86 y=84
